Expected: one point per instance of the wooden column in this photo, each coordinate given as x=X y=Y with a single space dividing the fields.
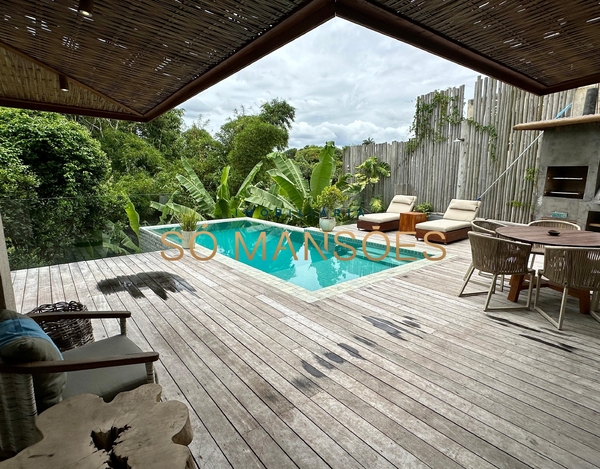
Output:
x=7 y=294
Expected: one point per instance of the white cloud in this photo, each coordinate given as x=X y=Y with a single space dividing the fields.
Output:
x=346 y=82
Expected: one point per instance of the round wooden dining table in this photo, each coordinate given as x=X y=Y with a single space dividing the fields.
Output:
x=540 y=235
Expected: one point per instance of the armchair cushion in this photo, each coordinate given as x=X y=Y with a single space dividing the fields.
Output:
x=104 y=382
x=23 y=340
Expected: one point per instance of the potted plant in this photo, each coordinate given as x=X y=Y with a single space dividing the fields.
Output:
x=188 y=222
x=328 y=200
x=425 y=208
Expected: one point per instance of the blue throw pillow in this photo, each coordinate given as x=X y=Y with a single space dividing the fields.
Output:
x=22 y=340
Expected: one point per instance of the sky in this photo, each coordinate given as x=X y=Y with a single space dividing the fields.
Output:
x=347 y=83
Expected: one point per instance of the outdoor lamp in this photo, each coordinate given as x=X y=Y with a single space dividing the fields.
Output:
x=63 y=83
x=86 y=7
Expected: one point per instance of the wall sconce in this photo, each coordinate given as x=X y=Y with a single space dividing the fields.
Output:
x=86 y=7
x=459 y=140
x=63 y=83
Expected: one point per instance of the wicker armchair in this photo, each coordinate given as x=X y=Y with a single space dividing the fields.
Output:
x=567 y=267
x=561 y=225
x=498 y=257
x=486 y=227
x=104 y=368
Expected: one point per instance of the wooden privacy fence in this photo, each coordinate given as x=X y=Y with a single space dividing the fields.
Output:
x=456 y=157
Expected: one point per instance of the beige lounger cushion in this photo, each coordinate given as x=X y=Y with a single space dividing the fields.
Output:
x=462 y=210
x=399 y=204
x=380 y=217
x=402 y=203
x=443 y=226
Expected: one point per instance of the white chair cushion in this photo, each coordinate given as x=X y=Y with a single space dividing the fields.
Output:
x=380 y=217
x=402 y=203
x=462 y=210
x=444 y=226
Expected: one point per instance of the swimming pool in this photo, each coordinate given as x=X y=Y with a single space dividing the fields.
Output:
x=306 y=262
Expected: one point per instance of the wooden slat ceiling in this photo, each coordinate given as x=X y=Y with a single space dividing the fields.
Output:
x=135 y=59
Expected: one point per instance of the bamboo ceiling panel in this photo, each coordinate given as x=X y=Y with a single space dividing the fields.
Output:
x=134 y=59
x=552 y=42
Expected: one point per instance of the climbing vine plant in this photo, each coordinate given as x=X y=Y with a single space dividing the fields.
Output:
x=493 y=136
x=429 y=127
x=425 y=127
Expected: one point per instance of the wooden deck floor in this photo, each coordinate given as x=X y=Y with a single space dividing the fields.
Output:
x=400 y=373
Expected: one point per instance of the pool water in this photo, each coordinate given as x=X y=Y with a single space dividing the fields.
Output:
x=320 y=269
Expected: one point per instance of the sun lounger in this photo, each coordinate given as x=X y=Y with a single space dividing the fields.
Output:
x=390 y=219
x=455 y=225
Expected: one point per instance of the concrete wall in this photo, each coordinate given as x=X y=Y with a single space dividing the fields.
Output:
x=150 y=242
x=573 y=145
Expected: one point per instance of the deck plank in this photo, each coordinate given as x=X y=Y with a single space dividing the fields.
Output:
x=397 y=373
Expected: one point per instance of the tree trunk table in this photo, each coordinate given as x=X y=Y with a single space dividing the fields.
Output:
x=408 y=220
x=133 y=431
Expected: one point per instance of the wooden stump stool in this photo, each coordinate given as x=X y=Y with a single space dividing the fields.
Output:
x=408 y=220
x=134 y=431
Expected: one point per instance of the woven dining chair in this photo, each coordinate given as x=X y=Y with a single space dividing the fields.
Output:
x=562 y=225
x=486 y=227
x=498 y=256
x=568 y=267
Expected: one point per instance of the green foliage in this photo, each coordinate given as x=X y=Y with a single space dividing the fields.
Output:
x=368 y=173
x=61 y=153
x=493 y=135
x=329 y=199
x=116 y=241
x=143 y=188
x=425 y=207
x=427 y=125
x=368 y=141
x=531 y=174
x=521 y=205
x=16 y=179
x=129 y=153
x=253 y=141
x=324 y=170
x=376 y=204
x=133 y=217
x=279 y=113
x=64 y=174
x=306 y=159
x=225 y=205
x=189 y=221
x=164 y=133
x=290 y=152
x=292 y=193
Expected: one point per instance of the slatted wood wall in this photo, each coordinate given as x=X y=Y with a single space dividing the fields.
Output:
x=437 y=172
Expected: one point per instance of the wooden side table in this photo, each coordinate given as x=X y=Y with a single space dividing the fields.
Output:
x=408 y=220
x=134 y=430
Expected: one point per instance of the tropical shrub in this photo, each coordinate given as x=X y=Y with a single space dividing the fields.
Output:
x=225 y=205
x=328 y=200
x=291 y=195
x=61 y=173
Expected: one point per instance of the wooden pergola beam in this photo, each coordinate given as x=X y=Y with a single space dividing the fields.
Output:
x=373 y=17
x=299 y=23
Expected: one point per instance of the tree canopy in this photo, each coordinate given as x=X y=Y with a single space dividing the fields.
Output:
x=60 y=175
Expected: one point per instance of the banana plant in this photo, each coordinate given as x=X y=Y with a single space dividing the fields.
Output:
x=225 y=206
x=292 y=194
